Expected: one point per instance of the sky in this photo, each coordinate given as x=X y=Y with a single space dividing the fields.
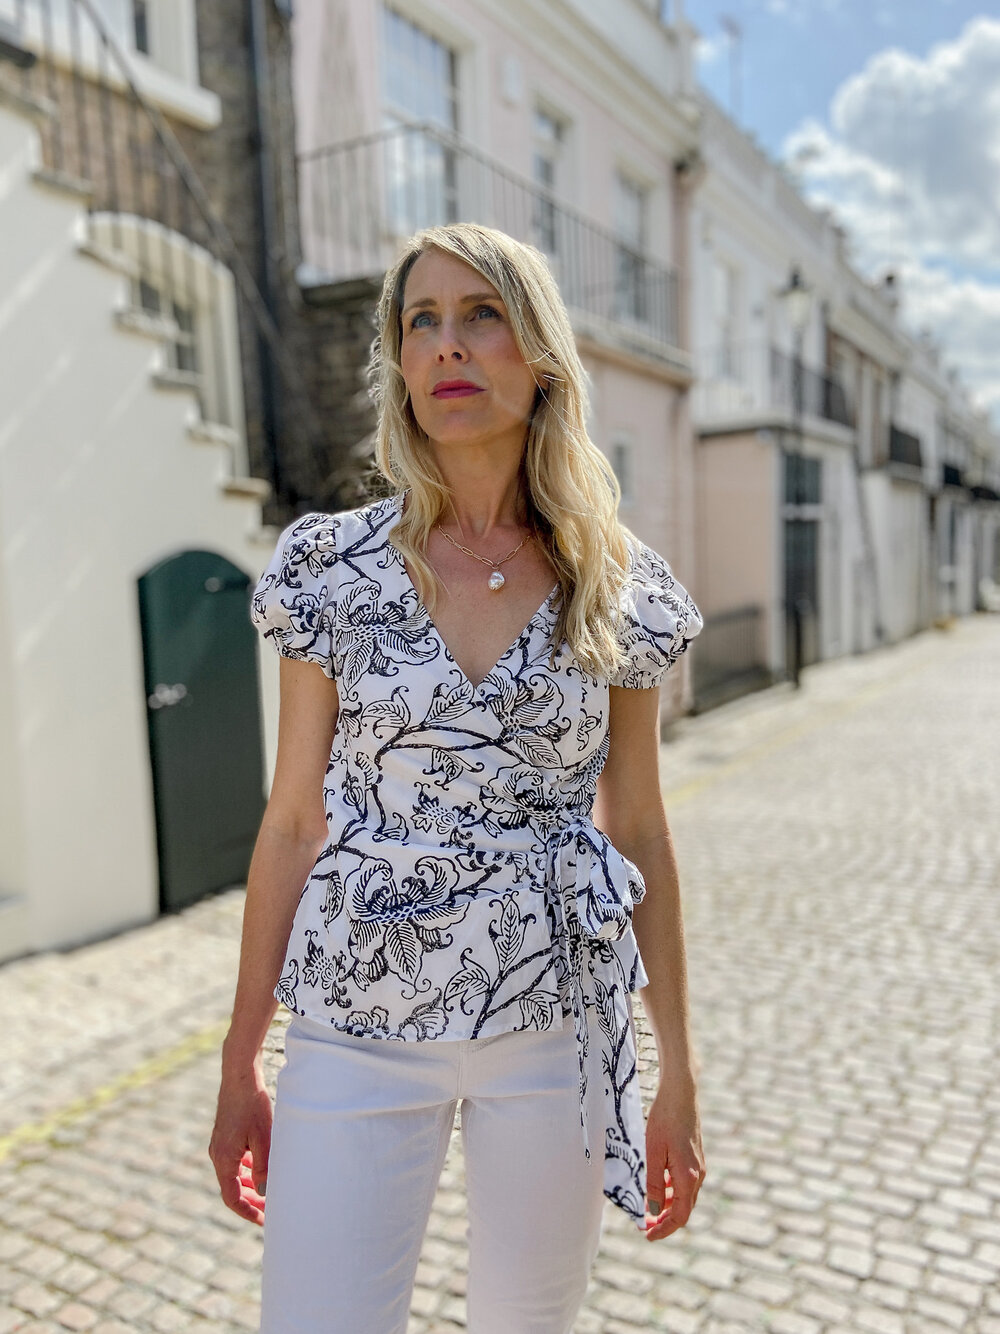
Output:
x=887 y=112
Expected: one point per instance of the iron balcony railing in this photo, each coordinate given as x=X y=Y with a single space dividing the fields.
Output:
x=904 y=447
x=746 y=379
x=148 y=209
x=361 y=198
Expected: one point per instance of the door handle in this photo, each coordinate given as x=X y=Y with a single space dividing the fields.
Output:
x=163 y=697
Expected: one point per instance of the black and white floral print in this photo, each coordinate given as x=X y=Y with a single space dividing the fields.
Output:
x=464 y=890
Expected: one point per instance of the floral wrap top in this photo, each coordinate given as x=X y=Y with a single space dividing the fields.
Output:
x=464 y=890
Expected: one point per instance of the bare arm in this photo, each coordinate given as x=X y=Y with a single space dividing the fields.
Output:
x=291 y=835
x=629 y=809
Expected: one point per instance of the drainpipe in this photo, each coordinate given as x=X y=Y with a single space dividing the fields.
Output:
x=267 y=274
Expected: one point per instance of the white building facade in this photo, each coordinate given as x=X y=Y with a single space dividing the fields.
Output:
x=843 y=499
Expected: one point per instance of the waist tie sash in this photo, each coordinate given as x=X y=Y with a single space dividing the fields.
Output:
x=593 y=889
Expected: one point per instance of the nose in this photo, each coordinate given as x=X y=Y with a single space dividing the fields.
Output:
x=450 y=345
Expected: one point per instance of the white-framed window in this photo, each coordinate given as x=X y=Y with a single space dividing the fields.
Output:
x=419 y=73
x=548 y=167
x=165 y=32
x=182 y=348
x=621 y=463
x=419 y=88
x=631 y=225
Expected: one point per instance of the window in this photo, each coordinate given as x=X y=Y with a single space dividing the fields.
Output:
x=630 y=228
x=803 y=480
x=418 y=74
x=621 y=462
x=140 y=25
x=182 y=350
x=548 y=171
x=419 y=89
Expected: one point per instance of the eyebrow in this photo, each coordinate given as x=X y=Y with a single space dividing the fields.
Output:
x=426 y=301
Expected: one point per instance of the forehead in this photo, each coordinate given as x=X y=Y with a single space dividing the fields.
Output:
x=436 y=273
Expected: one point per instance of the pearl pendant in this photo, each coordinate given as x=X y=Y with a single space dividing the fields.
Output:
x=497 y=580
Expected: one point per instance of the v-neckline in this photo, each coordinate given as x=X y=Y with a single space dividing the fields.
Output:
x=476 y=689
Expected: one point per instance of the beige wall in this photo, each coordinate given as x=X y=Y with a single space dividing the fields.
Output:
x=737 y=524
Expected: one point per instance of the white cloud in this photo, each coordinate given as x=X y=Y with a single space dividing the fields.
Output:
x=709 y=49
x=910 y=163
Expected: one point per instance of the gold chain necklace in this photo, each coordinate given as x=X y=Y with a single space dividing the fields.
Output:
x=496 y=579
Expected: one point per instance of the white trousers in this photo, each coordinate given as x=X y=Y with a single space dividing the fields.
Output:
x=361 y=1128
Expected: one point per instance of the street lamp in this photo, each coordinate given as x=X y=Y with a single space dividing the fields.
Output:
x=797 y=298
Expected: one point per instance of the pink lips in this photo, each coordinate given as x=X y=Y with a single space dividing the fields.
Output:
x=455 y=389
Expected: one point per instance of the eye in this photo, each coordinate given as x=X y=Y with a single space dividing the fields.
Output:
x=488 y=310
x=421 y=315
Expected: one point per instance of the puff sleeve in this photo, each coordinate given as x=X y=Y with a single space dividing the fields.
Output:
x=659 y=620
x=295 y=602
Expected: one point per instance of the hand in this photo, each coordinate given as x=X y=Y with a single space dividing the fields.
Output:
x=241 y=1143
x=674 y=1157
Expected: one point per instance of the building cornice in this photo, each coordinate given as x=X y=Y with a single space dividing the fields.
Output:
x=852 y=325
x=605 y=346
x=814 y=429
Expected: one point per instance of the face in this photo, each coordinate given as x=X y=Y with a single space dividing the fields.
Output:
x=467 y=380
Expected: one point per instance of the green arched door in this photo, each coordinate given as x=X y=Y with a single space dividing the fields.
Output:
x=203 y=707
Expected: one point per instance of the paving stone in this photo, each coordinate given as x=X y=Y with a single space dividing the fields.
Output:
x=792 y=1322
x=673 y=1322
x=767 y=1288
x=74 y=1315
x=885 y=1294
x=74 y=1276
x=947 y=1242
x=40 y=1261
x=957 y=1290
x=946 y=1313
x=851 y=1260
x=131 y=1303
x=738 y=1308
x=623 y=1305
x=878 y=1320
x=713 y=1272
x=823 y=1306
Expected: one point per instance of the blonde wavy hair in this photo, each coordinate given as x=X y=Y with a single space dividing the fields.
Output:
x=569 y=490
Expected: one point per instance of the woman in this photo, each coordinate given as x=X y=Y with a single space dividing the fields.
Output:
x=489 y=640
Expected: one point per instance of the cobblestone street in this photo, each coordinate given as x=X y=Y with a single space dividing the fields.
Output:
x=840 y=858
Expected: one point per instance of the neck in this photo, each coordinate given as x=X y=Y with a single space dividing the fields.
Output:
x=485 y=496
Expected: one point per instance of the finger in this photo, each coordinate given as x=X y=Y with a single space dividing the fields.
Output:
x=239 y=1195
x=685 y=1185
x=260 y=1148
x=662 y=1229
x=656 y=1188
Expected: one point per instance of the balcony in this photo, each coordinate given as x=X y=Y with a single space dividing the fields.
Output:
x=362 y=198
x=751 y=384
